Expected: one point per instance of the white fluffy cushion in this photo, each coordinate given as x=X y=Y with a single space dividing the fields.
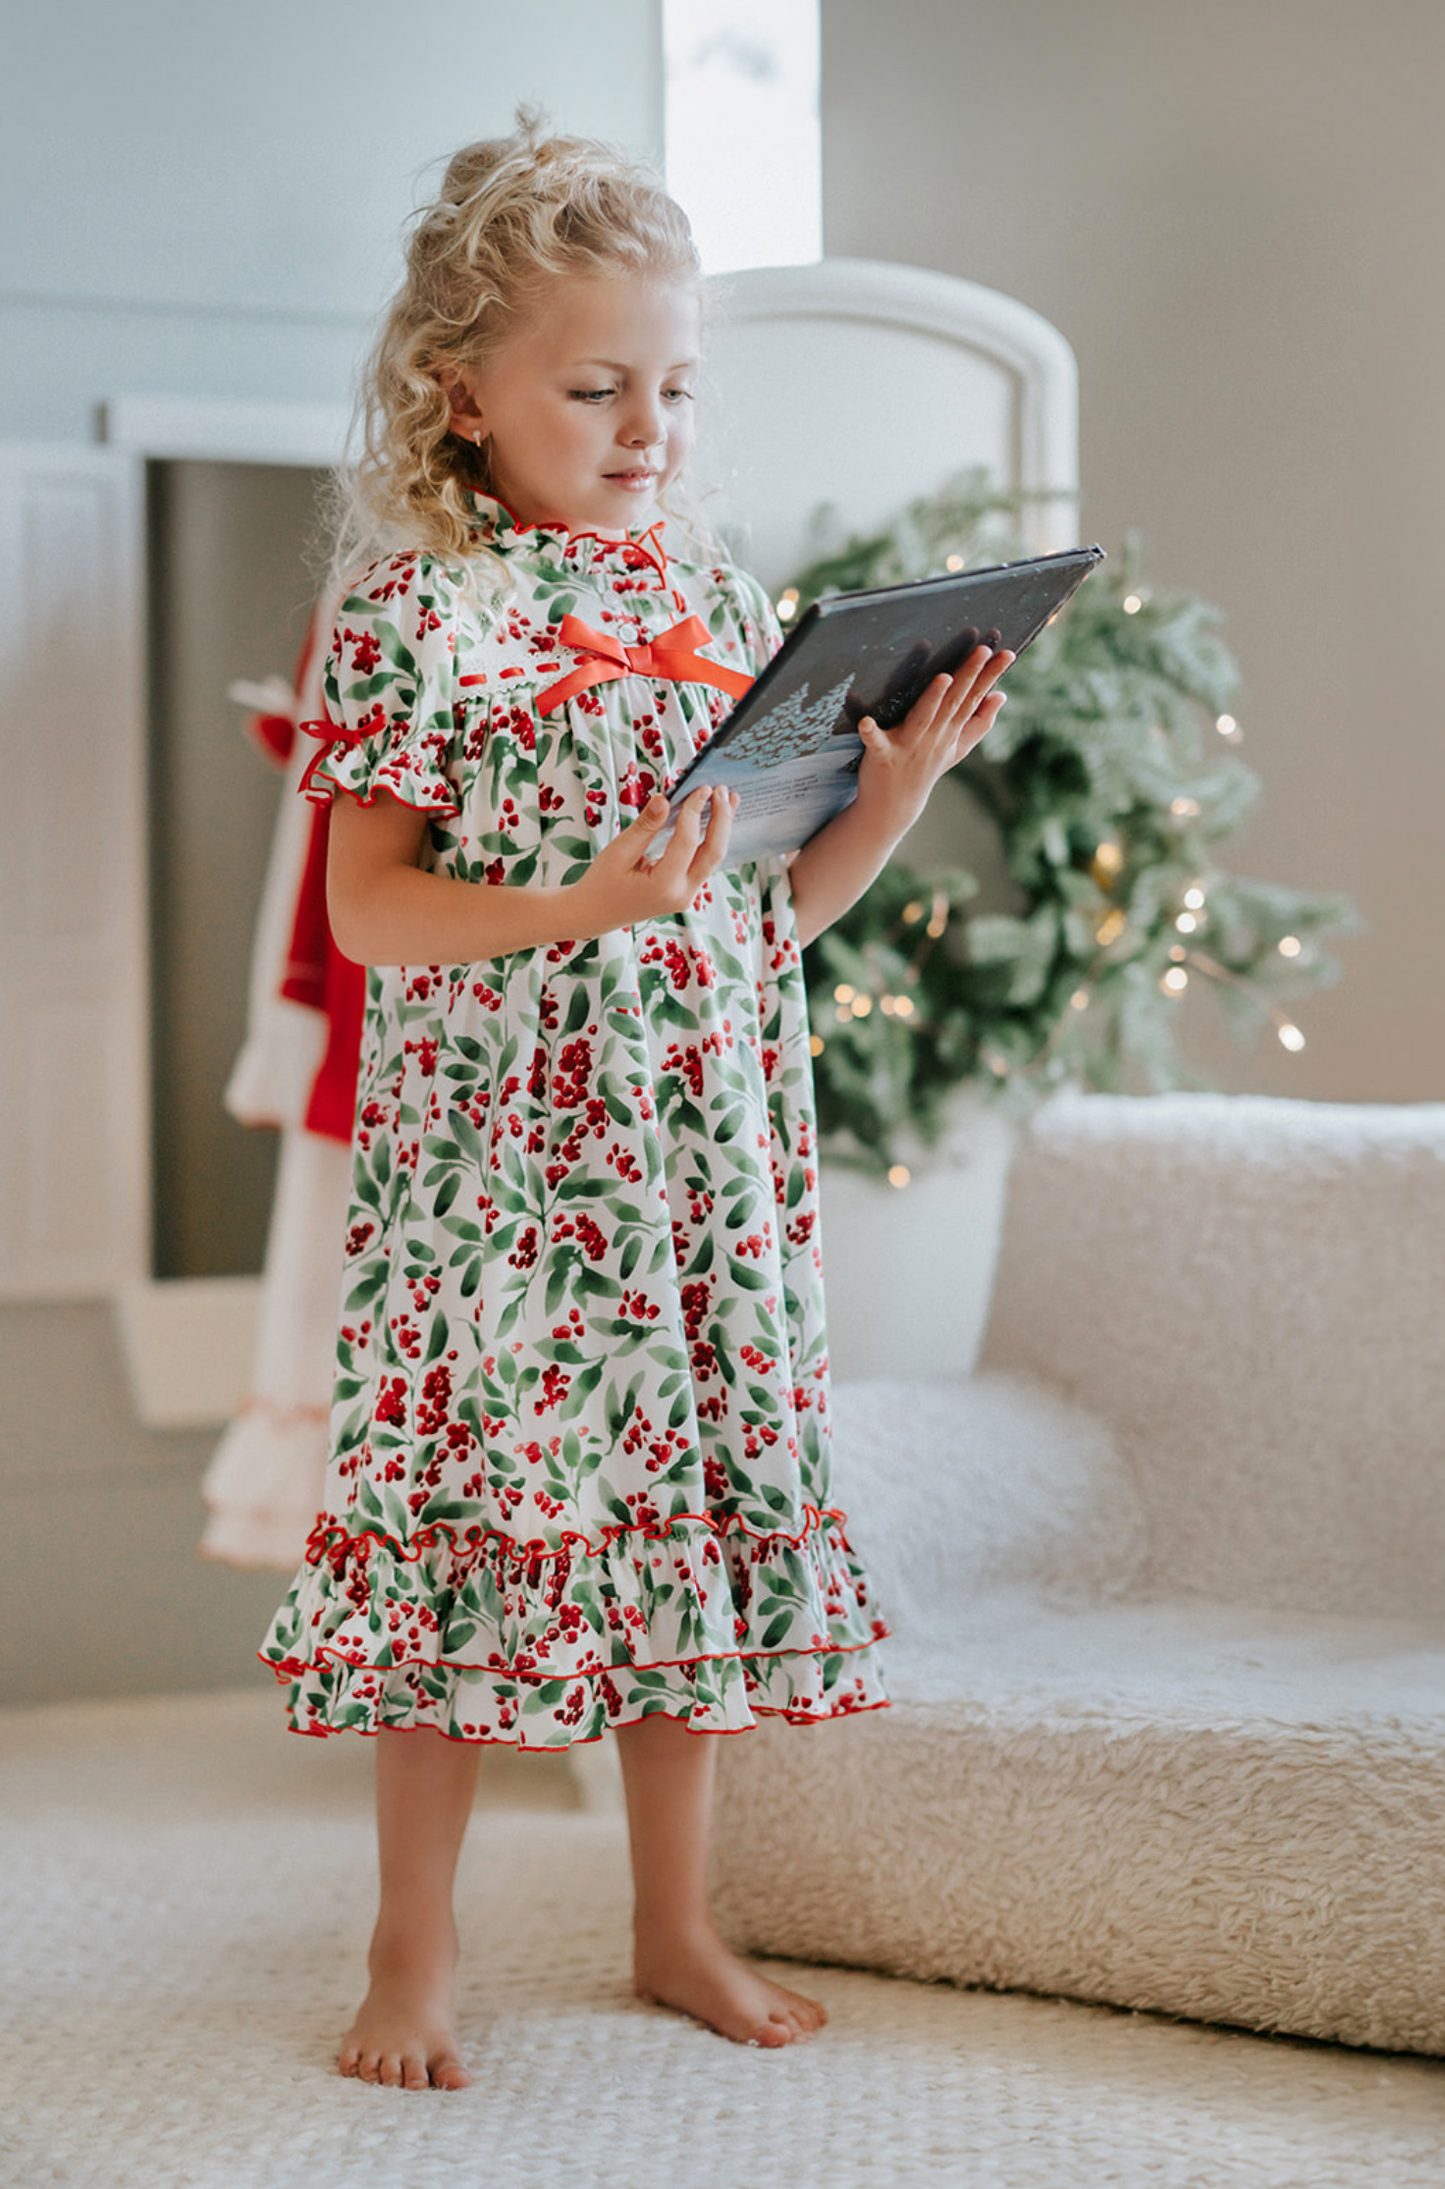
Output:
x=957 y=1490
x=1252 y=1292
x=1117 y=1824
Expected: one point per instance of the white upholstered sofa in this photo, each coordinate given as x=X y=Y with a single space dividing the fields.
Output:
x=1167 y=1579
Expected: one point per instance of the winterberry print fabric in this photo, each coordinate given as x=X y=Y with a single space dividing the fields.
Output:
x=580 y=1446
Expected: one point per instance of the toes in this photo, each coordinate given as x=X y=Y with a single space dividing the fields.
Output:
x=368 y=2067
x=348 y=2060
x=449 y=2074
x=390 y=2072
x=413 y=2072
x=770 y=2035
x=808 y=2014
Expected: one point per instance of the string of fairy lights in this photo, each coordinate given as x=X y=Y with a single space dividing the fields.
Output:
x=1190 y=920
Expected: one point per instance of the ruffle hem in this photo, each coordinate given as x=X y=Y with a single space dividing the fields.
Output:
x=469 y=1633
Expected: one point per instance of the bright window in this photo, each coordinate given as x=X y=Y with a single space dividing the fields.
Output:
x=743 y=145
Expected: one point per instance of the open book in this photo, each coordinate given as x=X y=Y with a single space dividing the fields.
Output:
x=791 y=747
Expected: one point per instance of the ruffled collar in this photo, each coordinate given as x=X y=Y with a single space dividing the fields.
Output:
x=640 y=553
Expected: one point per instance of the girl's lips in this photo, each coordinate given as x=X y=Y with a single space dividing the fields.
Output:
x=634 y=479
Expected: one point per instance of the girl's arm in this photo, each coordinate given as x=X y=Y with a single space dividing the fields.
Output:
x=898 y=770
x=386 y=910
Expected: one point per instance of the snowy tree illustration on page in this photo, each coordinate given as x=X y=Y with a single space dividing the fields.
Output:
x=793 y=729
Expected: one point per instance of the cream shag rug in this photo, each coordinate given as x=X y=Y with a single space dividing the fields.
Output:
x=186 y=1891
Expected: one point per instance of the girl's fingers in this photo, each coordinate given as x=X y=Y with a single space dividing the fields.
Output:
x=929 y=704
x=677 y=856
x=648 y=821
x=980 y=672
x=948 y=698
x=982 y=719
x=713 y=847
x=971 y=686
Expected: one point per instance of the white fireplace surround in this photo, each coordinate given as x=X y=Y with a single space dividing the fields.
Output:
x=964 y=375
x=75 y=1163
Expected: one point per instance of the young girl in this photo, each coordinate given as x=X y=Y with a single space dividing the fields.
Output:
x=580 y=1472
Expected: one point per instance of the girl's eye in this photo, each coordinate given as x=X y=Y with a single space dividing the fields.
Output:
x=589 y=395
x=677 y=395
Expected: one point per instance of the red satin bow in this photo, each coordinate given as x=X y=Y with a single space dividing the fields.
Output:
x=672 y=655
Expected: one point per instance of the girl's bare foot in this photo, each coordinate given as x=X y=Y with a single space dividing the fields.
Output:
x=403 y=2035
x=699 y=1976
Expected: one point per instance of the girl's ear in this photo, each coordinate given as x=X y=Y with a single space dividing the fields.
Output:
x=460 y=391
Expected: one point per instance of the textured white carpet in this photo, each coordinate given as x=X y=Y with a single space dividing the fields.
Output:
x=186 y=1893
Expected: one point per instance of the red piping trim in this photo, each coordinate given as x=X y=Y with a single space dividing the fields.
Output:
x=560 y=1748
x=647 y=542
x=291 y=1668
x=321 y=792
x=529 y=1549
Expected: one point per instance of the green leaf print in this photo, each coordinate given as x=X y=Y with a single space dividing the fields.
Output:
x=562 y=1351
x=462 y=1227
x=469 y=1143
x=394 y=647
x=619 y=1111
x=368 y=1290
x=681 y=1408
x=559 y=1279
x=620 y=1412
x=582 y=1389
x=578 y=1186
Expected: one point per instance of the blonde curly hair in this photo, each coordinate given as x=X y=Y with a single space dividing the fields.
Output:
x=513 y=215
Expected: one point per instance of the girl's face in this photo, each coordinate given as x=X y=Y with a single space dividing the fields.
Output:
x=587 y=410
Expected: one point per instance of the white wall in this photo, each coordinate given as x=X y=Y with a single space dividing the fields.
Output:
x=203 y=199
x=1235 y=212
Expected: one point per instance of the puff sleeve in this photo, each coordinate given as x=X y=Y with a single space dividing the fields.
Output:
x=394 y=720
x=761 y=632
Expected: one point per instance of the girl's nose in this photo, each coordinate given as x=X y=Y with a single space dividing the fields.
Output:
x=644 y=427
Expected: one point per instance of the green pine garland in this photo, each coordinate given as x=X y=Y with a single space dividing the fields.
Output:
x=1107 y=792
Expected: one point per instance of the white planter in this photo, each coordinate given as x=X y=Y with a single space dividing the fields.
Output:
x=909 y=1271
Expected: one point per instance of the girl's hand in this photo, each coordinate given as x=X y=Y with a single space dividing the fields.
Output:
x=387 y=910
x=625 y=884
x=900 y=767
